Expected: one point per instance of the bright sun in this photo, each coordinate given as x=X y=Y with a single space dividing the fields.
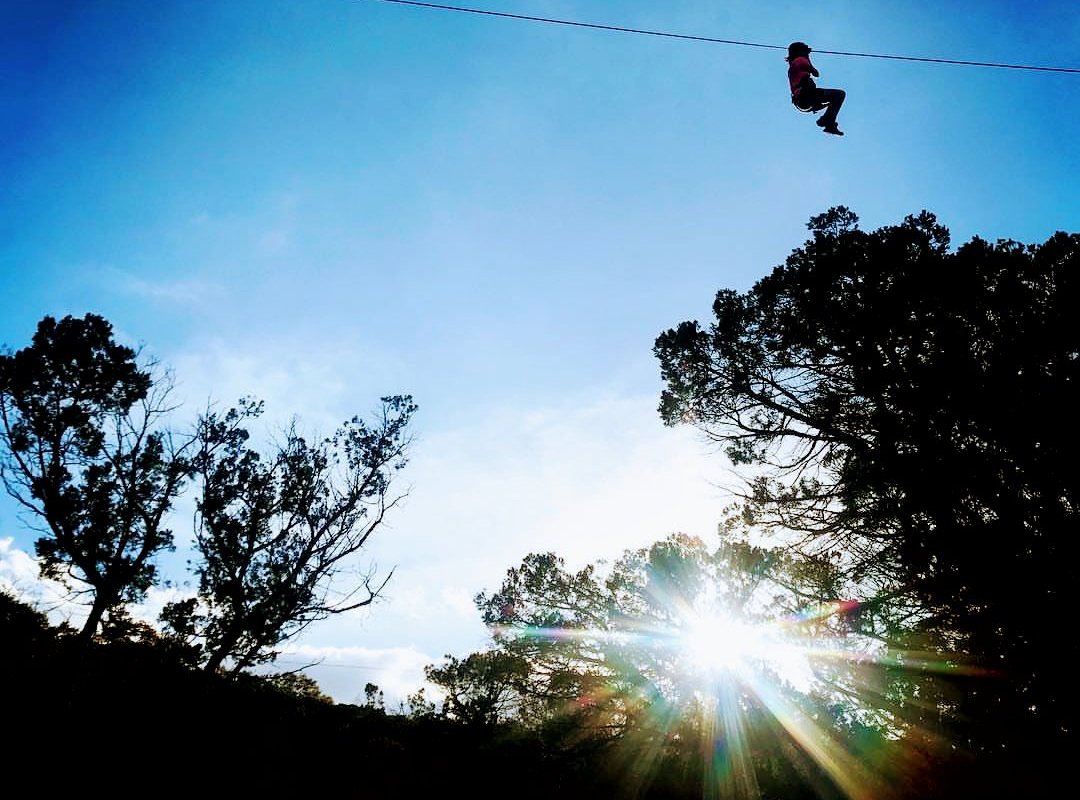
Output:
x=716 y=661
x=715 y=641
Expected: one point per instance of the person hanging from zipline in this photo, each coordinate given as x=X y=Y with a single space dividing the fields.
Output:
x=806 y=95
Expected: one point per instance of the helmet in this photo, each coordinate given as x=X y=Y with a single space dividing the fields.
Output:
x=798 y=49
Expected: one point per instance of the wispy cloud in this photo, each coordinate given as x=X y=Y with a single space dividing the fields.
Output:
x=344 y=672
x=321 y=384
x=587 y=481
x=19 y=575
x=189 y=291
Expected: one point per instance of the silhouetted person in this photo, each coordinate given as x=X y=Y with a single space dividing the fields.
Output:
x=806 y=95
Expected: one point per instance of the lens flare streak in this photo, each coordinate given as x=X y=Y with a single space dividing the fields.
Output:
x=710 y=660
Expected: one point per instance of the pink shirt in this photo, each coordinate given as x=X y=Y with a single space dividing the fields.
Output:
x=798 y=68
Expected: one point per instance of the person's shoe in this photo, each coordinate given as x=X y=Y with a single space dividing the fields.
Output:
x=835 y=131
x=820 y=122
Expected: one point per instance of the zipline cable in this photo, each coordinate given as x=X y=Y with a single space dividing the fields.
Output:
x=620 y=29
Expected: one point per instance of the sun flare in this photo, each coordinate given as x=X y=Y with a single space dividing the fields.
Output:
x=715 y=664
x=717 y=641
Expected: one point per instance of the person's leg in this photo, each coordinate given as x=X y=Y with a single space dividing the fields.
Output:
x=835 y=99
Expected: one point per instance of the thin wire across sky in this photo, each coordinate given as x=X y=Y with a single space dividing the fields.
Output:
x=713 y=40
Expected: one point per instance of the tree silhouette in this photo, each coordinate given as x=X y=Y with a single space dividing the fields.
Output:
x=480 y=689
x=85 y=453
x=275 y=533
x=906 y=409
x=663 y=670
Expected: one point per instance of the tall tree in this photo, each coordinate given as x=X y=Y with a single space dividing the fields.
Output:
x=276 y=533
x=907 y=408
x=86 y=453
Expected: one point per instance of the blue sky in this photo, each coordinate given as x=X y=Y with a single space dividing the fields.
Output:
x=326 y=201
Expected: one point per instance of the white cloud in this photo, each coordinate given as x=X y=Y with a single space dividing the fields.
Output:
x=587 y=479
x=20 y=576
x=587 y=482
x=190 y=292
x=343 y=672
x=292 y=377
x=18 y=569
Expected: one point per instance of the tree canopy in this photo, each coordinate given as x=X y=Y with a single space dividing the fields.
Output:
x=86 y=453
x=899 y=411
x=905 y=408
x=275 y=533
x=684 y=670
x=91 y=450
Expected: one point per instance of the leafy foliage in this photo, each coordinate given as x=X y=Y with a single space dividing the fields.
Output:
x=298 y=685
x=275 y=532
x=85 y=453
x=905 y=410
x=88 y=451
x=479 y=689
x=603 y=662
